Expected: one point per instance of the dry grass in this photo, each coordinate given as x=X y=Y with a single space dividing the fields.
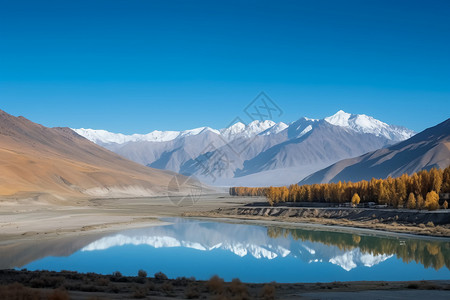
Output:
x=268 y=291
x=215 y=285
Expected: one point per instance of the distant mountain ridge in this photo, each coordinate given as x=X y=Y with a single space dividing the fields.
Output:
x=358 y=123
x=39 y=163
x=259 y=153
x=425 y=150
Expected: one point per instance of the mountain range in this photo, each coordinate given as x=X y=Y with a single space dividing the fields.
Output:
x=43 y=163
x=260 y=153
x=427 y=149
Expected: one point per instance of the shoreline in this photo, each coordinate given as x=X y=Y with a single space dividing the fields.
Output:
x=74 y=285
x=318 y=227
x=100 y=216
x=339 y=218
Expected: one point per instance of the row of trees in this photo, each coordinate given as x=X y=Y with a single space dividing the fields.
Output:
x=417 y=191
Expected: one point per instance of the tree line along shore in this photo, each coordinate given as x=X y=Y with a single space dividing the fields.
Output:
x=427 y=189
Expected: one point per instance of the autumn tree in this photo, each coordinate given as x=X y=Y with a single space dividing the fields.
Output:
x=432 y=201
x=355 y=199
x=420 y=204
x=446 y=180
x=411 y=204
x=391 y=191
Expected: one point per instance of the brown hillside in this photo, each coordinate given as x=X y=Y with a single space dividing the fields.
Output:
x=40 y=161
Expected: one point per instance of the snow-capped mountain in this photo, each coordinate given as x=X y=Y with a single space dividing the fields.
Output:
x=424 y=151
x=259 y=153
x=366 y=124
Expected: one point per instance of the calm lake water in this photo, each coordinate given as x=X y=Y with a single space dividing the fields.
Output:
x=256 y=254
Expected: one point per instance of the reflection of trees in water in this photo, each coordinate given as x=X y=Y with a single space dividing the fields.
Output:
x=433 y=254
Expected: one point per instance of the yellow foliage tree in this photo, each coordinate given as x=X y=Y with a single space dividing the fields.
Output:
x=432 y=201
x=411 y=204
x=391 y=191
x=420 y=204
x=355 y=199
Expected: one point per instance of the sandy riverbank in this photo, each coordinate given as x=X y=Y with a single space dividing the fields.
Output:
x=32 y=220
x=29 y=220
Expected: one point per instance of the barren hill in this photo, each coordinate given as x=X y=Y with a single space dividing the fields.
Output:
x=57 y=163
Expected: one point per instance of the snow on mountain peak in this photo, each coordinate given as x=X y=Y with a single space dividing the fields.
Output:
x=366 y=124
x=340 y=118
x=358 y=123
x=239 y=129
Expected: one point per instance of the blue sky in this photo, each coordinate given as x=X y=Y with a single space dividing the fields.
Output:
x=135 y=66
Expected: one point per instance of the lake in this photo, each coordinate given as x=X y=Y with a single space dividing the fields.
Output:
x=253 y=253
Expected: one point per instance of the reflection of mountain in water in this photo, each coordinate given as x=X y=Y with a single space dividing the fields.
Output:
x=241 y=240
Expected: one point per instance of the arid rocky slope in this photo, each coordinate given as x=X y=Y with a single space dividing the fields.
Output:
x=39 y=163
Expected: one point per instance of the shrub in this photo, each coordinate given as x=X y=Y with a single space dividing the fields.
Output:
x=430 y=224
x=167 y=286
x=117 y=274
x=215 y=285
x=268 y=291
x=237 y=288
x=103 y=281
x=140 y=292
x=192 y=292
x=142 y=273
x=160 y=276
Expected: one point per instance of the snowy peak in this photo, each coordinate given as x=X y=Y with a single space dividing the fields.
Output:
x=340 y=118
x=240 y=130
x=358 y=123
x=277 y=128
x=106 y=137
x=237 y=130
x=366 y=124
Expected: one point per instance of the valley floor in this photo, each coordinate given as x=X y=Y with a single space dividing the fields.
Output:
x=23 y=224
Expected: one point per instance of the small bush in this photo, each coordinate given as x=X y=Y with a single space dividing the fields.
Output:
x=268 y=291
x=192 y=292
x=160 y=276
x=142 y=273
x=237 y=288
x=167 y=287
x=140 y=292
x=117 y=274
x=181 y=281
x=103 y=281
x=215 y=285
x=430 y=224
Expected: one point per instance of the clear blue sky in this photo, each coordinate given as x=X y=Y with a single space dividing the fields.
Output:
x=135 y=66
